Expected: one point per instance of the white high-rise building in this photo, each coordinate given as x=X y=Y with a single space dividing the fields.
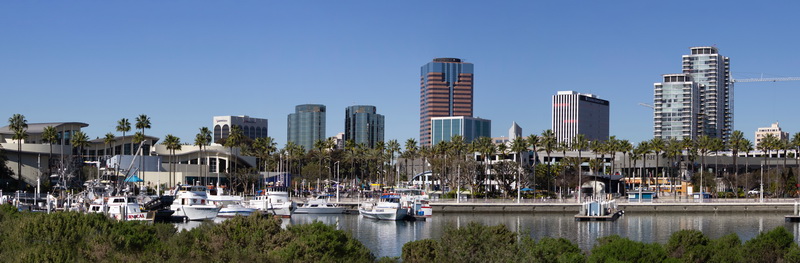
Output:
x=575 y=113
x=713 y=104
x=677 y=105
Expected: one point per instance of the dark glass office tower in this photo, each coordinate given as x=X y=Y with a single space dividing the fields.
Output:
x=362 y=124
x=307 y=125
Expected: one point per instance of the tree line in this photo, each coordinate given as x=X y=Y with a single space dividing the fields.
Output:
x=458 y=164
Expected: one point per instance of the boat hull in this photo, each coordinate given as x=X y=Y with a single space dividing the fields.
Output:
x=235 y=211
x=319 y=210
x=384 y=213
x=196 y=212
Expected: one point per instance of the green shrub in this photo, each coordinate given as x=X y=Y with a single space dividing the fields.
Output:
x=689 y=246
x=477 y=243
x=770 y=246
x=424 y=250
x=550 y=250
x=617 y=249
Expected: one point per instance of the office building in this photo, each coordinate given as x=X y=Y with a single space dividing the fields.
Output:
x=445 y=90
x=774 y=129
x=362 y=124
x=251 y=127
x=306 y=125
x=575 y=113
x=677 y=107
x=710 y=72
x=444 y=128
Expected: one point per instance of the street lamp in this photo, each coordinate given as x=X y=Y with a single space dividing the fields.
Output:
x=337 y=180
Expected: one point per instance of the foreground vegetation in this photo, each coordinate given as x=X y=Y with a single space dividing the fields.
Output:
x=74 y=237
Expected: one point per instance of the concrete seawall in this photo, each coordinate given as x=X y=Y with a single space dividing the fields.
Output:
x=627 y=207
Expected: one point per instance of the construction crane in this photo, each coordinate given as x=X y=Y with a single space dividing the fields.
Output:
x=761 y=79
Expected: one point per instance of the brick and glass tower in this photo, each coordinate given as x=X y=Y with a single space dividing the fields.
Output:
x=445 y=90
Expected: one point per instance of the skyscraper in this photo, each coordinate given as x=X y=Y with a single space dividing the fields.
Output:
x=445 y=90
x=363 y=124
x=307 y=125
x=575 y=113
x=712 y=106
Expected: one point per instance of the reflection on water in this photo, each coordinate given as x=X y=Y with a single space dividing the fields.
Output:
x=386 y=238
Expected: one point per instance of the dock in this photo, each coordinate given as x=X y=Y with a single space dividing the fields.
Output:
x=610 y=217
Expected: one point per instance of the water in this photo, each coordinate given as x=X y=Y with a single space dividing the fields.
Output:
x=386 y=238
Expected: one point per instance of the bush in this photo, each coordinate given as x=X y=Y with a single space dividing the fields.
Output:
x=689 y=246
x=550 y=250
x=477 y=243
x=617 y=249
x=770 y=246
x=424 y=250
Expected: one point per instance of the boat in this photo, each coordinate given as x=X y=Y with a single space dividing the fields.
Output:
x=387 y=208
x=599 y=210
x=126 y=208
x=274 y=201
x=416 y=201
x=319 y=205
x=191 y=202
x=231 y=205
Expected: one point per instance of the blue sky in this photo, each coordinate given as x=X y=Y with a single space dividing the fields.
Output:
x=182 y=62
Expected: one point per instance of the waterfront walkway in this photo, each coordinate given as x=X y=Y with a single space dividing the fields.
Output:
x=668 y=204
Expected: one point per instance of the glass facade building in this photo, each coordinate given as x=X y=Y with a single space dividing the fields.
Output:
x=306 y=125
x=445 y=90
x=706 y=88
x=362 y=124
x=444 y=128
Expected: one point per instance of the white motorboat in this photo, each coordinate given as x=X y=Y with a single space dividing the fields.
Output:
x=231 y=205
x=417 y=202
x=319 y=205
x=274 y=201
x=126 y=208
x=192 y=203
x=387 y=208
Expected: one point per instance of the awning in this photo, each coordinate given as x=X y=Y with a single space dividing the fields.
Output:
x=133 y=179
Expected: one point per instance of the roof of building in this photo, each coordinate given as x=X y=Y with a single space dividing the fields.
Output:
x=35 y=128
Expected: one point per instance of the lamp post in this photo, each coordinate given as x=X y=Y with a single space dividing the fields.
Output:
x=338 y=183
x=761 y=191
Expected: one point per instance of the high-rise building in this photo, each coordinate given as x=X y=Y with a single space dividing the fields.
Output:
x=677 y=106
x=445 y=90
x=775 y=130
x=444 y=128
x=307 y=125
x=515 y=131
x=251 y=127
x=363 y=124
x=710 y=72
x=575 y=113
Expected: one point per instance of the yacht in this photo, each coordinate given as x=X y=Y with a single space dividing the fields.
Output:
x=319 y=205
x=417 y=202
x=126 y=208
x=274 y=201
x=387 y=208
x=191 y=202
x=231 y=205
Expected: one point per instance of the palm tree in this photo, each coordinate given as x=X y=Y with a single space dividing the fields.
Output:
x=613 y=145
x=80 y=141
x=124 y=126
x=579 y=144
x=518 y=146
x=138 y=138
x=672 y=151
x=533 y=141
x=766 y=144
x=235 y=139
x=549 y=144
x=642 y=149
x=202 y=140
x=172 y=143
x=19 y=125
x=795 y=142
x=657 y=146
x=109 y=140
x=626 y=147
x=411 y=152
x=704 y=145
x=143 y=122
x=50 y=135
x=735 y=145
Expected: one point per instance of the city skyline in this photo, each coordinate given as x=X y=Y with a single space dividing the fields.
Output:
x=99 y=62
